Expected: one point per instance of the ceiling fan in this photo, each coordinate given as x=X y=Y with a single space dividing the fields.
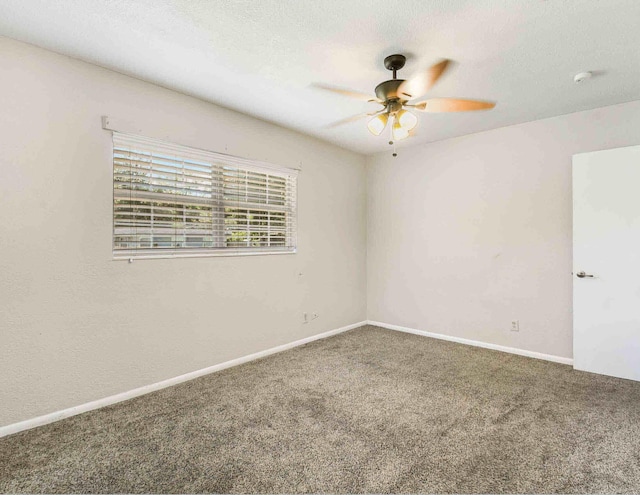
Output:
x=397 y=95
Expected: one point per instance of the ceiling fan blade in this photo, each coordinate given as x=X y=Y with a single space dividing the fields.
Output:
x=452 y=105
x=346 y=92
x=347 y=120
x=353 y=118
x=422 y=82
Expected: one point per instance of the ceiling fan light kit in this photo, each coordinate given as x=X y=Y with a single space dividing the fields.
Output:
x=377 y=124
x=398 y=132
x=407 y=119
x=396 y=95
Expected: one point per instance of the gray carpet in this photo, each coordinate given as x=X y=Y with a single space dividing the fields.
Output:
x=370 y=410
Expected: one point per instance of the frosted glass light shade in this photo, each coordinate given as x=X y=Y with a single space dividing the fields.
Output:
x=377 y=124
x=407 y=120
x=398 y=131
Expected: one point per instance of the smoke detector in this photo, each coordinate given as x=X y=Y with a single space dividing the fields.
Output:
x=583 y=76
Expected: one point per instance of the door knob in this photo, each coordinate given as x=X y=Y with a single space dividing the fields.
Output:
x=583 y=275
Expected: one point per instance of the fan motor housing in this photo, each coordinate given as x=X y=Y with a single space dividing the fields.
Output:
x=388 y=90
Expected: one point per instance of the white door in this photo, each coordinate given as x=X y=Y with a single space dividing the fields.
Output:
x=606 y=262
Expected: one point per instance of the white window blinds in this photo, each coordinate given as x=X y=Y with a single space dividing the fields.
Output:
x=179 y=201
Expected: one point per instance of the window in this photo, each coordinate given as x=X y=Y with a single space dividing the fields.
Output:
x=178 y=201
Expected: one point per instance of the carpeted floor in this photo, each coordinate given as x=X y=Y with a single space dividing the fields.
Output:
x=371 y=410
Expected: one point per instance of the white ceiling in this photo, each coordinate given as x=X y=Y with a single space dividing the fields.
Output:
x=260 y=56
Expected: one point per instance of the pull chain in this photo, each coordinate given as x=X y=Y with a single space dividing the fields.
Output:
x=392 y=142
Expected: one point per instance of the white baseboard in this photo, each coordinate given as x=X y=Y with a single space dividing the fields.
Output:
x=476 y=343
x=107 y=401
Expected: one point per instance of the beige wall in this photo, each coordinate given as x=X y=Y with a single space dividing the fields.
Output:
x=76 y=326
x=468 y=234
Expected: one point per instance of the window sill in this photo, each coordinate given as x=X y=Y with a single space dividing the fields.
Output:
x=132 y=258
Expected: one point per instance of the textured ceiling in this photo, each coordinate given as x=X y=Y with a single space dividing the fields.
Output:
x=260 y=56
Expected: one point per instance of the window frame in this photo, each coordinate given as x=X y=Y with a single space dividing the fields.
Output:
x=219 y=163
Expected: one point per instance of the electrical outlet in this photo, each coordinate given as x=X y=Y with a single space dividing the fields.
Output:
x=515 y=326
